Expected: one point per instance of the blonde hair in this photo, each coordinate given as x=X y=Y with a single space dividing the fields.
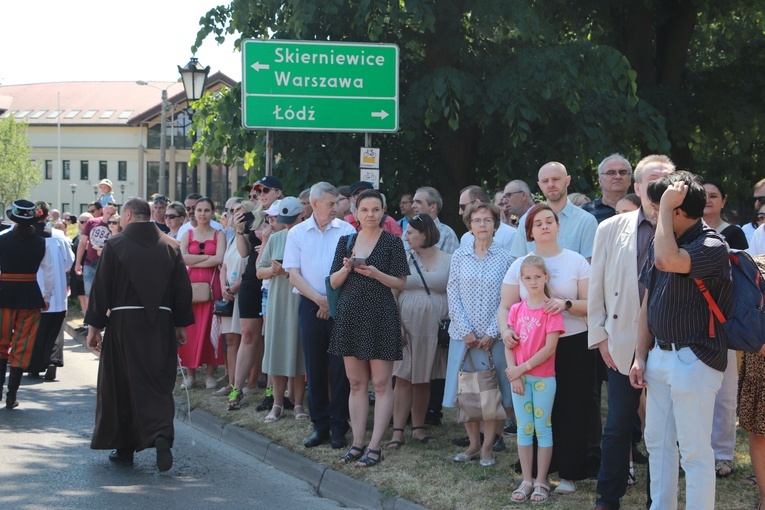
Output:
x=539 y=263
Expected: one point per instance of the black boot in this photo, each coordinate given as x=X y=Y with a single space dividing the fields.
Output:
x=14 y=381
x=3 y=368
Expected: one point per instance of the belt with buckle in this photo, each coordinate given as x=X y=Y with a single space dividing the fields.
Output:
x=669 y=347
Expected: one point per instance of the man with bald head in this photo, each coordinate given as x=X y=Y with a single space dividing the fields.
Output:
x=577 y=227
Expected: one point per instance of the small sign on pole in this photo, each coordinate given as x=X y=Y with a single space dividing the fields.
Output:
x=372 y=176
x=370 y=158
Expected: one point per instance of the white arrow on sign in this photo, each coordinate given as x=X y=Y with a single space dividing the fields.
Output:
x=258 y=66
x=381 y=114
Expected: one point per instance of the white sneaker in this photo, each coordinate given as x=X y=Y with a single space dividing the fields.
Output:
x=188 y=383
x=565 y=487
x=210 y=383
x=223 y=390
x=247 y=391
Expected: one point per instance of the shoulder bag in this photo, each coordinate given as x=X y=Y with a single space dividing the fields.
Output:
x=224 y=307
x=478 y=397
x=201 y=292
x=443 y=325
x=333 y=295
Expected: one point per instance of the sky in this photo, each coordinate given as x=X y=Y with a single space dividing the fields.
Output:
x=46 y=41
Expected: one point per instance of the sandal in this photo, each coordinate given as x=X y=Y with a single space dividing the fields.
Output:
x=350 y=456
x=395 y=444
x=273 y=415
x=367 y=461
x=300 y=413
x=523 y=492
x=235 y=400
x=541 y=492
x=723 y=468
x=425 y=439
x=750 y=480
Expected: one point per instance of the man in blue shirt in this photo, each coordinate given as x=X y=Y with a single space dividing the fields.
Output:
x=614 y=177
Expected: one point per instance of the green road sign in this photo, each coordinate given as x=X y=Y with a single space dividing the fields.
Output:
x=319 y=86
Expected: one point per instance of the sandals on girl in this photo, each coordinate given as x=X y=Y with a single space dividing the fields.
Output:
x=367 y=461
x=300 y=413
x=351 y=456
x=424 y=439
x=273 y=415
x=524 y=490
x=541 y=493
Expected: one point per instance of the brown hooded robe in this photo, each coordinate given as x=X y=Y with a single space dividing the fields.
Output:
x=136 y=374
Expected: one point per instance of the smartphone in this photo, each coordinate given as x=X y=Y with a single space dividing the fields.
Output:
x=358 y=261
x=279 y=260
x=247 y=217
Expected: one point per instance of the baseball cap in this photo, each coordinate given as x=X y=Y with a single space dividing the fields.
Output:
x=269 y=181
x=274 y=209
x=360 y=186
x=289 y=210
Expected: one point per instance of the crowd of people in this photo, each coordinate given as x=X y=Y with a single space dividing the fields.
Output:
x=318 y=294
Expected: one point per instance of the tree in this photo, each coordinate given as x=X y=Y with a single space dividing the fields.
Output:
x=18 y=173
x=491 y=90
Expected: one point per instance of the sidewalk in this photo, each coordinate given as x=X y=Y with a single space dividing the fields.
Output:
x=327 y=482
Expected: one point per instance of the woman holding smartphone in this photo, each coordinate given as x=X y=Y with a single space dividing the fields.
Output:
x=367 y=331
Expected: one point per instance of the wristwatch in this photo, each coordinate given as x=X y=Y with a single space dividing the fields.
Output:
x=569 y=304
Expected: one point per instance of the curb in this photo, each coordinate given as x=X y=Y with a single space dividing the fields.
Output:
x=330 y=484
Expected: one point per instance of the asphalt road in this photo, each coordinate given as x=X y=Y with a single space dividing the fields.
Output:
x=46 y=460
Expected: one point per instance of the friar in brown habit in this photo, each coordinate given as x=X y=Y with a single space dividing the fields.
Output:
x=142 y=296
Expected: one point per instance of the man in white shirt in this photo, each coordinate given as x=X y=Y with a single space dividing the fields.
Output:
x=503 y=236
x=308 y=257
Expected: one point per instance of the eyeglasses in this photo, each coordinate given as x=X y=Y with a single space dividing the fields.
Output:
x=91 y=211
x=83 y=221
x=112 y=222
x=171 y=216
x=612 y=173
x=485 y=221
x=508 y=196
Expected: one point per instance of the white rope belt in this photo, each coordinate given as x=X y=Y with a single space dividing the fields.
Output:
x=138 y=308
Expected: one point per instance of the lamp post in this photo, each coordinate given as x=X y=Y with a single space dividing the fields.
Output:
x=162 y=138
x=95 y=191
x=194 y=77
x=122 y=191
x=73 y=186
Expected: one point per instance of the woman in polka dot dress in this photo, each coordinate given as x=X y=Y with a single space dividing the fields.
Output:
x=367 y=330
x=531 y=371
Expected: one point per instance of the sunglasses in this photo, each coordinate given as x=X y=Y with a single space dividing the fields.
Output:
x=761 y=216
x=261 y=191
x=113 y=222
x=464 y=206
x=202 y=246
x=91 y=211
x=760 y=199
x=171 y=216
x=83 y=221
x=190 y=208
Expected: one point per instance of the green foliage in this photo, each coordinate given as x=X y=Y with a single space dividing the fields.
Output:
x=491 y=90
x=18 y=173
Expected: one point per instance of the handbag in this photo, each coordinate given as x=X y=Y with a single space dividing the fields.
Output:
x=201 y=292
x=333 y=295
x=223 y=308
x=443 y=325
x=478 y=397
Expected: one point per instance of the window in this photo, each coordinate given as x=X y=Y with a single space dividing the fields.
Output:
x=65 y=169
x=72 y=114
x=23 y=114
x=102 y=169
x=84 y=170
x=64 y=206
x=107 y=114
x=39 y=114
x=54 y=114
x=126 y=114
x=48 y=171
x=122 y=170
x=89 y=114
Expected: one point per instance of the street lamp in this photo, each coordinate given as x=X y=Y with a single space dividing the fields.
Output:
x=95 y=192
x=73 y=186
x=162 y=137
x=194 y=77
x=122 y=190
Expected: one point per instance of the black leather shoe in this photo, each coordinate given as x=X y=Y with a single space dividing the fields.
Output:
x=338 y=441
x=637 y=456
x=432 y=418
x=50 y=373
x=316 y=439
x=164 y=455
x=121 y=458
x=511 y=428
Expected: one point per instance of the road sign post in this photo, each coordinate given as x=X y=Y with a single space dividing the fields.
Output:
x=319 y=86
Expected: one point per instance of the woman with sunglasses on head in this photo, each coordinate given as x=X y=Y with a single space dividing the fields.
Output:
x=202 y=248
x=724 y=422
x=422 y=309
x=175 y=217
